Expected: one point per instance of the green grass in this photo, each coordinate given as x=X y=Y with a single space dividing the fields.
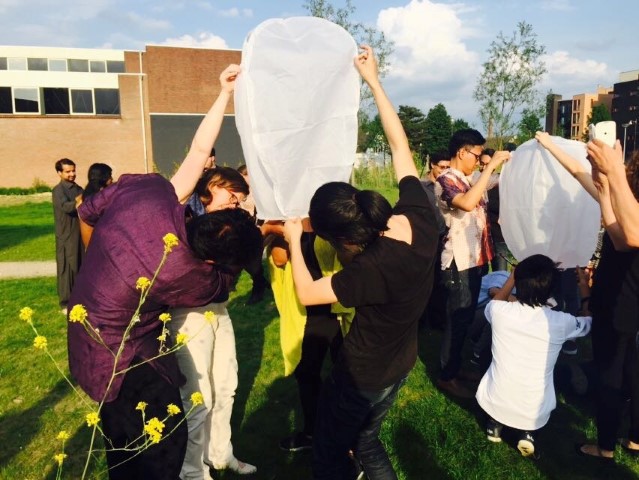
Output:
x=27 y=232
x=427 y=434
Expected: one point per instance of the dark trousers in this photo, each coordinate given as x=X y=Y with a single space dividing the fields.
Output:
x=122 y=424
x=617 y=362
x=322 y=332
x=462 y=293
x=349 y=418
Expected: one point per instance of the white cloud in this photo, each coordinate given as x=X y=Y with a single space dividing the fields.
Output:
x=557 y=5
x=147 y=23
x=431 y=63
x=235 y=12
x=202 y=40
x=570 y=76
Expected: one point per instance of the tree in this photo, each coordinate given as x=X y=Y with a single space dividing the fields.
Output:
x=371 y=135
x=528 y=125
x=439 y=129
x=414 y=123
x=460 y=124
x=599 y=113
x=509 y=79
x=362 y=33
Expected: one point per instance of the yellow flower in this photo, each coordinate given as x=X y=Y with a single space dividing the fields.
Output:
x=78 y=314
x=92 y=419
x=165 y=317
x=209 y=316
x=153 y=428
x=143 y=283
x=170 y=241
x=162 y=338
x=40 y=342
x=60 y=458
x=63 y=435
x=181 y=338
x=141 y=406
x=173 y=409
x=26 y=314
x=197 y=399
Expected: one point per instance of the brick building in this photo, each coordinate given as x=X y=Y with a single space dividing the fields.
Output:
x=136 y=111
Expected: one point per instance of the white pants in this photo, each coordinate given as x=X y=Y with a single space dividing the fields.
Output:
x=208 y=361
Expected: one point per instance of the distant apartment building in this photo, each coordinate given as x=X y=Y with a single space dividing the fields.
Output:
x=569 y=118
x=625 y=109
x=134 y=110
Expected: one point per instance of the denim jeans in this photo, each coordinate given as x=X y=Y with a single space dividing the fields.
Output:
x=462 y=294
x=350 y=419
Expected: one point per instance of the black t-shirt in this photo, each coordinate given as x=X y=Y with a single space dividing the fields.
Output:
x=389 y=285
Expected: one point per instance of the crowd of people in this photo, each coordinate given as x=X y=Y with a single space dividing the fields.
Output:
x=352 y=282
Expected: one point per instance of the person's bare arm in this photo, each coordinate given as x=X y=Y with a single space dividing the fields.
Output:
x=572 y=165
x=468 y=201
x=505 y=291
x=191 y=169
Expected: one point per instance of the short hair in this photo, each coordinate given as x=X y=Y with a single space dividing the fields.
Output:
x=228 y=237
x=437 y=157
x=242 y=169
x=510 y=147
x=467 y=137
x=63 y=161
x=535 y=279
x=212 y=152
x=224 y=177
x=343 y=215
x=488 y=151
x=99 y=176
x=632 y=174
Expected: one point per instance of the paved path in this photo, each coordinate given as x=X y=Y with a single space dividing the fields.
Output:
x=27 y=269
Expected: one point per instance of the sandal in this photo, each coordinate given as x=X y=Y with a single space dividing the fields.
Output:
x=599 y=456
x=629 y=450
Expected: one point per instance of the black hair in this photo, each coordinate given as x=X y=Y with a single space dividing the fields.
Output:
x=488 y=151
x=224 y=177
x=344 y=215
x=535 y=279
x=228 y=237
x=63 y=161
x=510 y=147
x=242 y=169
x=212 y=152
x=437 y=157
x=466 y=137
x=100 y=175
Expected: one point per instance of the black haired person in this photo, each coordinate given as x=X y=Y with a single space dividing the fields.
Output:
x=388 y=254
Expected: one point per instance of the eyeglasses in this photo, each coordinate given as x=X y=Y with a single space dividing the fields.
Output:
x=477 y=156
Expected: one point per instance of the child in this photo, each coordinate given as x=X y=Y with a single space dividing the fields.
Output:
x=527 y=336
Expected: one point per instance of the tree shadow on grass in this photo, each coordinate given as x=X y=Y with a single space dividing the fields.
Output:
x=413 y=455
x=12 y=235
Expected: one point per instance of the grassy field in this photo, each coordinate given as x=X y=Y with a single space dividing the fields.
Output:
x=26 y=232
x=427 y=434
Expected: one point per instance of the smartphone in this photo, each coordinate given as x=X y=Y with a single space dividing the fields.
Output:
x=604 y=131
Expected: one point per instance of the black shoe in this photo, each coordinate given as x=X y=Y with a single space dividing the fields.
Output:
x=257 y=295
x=569 y=347
x=493 y=430
x=297 y=442
x=526 y=446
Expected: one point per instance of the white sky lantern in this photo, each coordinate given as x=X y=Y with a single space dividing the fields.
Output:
x=296 y=105
x=543 y=209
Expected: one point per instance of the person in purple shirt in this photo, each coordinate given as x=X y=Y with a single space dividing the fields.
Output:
x=130 y=219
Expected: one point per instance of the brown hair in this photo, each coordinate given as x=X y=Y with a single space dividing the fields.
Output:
x=223 y=177
x=632 y=174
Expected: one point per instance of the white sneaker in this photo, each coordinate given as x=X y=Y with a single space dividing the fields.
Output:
x=238 y=467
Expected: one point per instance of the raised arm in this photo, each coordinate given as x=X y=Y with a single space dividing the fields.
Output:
x=191 y=169
x=469 y=200
x=573 y=166
x=402 y=157
x=505 y=291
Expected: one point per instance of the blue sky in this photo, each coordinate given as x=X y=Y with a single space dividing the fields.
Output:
x=439 y=44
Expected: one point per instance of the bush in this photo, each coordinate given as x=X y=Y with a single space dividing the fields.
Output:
x=38 y=187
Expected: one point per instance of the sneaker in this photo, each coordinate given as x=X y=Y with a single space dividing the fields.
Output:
x=526 y=445
x=493 y=430
x=297 y=442
x=236 y=466
x=569 y=347
x=63 y=311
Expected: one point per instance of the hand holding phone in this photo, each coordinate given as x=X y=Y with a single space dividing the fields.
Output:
x=604 y=131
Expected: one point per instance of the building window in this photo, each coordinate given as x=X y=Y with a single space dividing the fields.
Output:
x=98 y=66
x=107 y=101
x=26 y=100
x=115 y=66
x=6 y=101
x=39 y=64
x=78 y=65
x=82 y=101
x=3 y=63
x=17 y=63
x=56 y=101
x=57 y=65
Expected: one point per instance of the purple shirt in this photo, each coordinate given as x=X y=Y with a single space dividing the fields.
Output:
x=130 y=218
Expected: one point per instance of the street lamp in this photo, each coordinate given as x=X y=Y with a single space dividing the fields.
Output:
x=625 y=127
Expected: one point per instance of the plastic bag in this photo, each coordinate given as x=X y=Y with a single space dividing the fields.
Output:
x=543 y=209
x=296 y=104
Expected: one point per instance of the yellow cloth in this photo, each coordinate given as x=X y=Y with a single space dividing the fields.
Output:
x=292 y=313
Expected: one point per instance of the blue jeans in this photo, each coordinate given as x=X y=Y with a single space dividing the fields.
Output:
x=462 y=294
x=350 y=419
